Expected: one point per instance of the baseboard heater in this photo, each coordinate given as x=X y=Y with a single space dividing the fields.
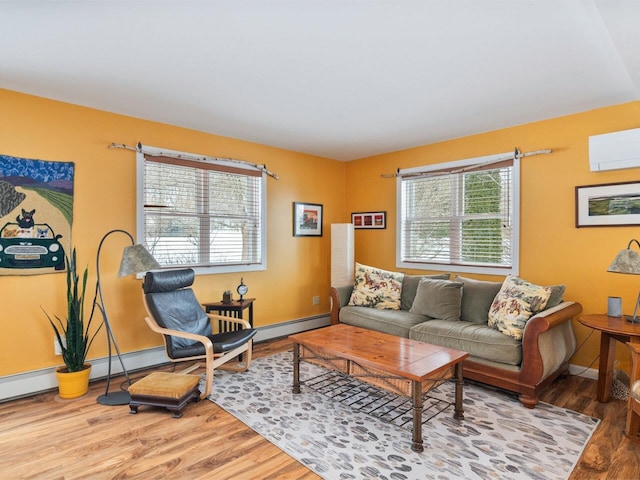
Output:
x=38 y=381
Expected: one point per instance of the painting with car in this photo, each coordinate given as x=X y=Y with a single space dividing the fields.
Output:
x=36 y=213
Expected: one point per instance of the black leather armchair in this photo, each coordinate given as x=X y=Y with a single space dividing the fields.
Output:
x=176 y=314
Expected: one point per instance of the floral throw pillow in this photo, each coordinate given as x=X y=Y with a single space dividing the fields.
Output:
x=515 y=303
x=376 y=288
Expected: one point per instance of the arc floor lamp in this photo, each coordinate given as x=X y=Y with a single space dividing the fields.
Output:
x=135 y=259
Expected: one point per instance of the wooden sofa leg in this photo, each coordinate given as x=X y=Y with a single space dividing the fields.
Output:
x=528 y=401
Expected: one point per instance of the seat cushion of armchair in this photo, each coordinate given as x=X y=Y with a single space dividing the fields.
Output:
x=479 y=340
x=222 y=342
x=394 y=322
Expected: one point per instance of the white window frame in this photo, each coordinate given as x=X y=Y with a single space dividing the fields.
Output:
x=140 y=212
x=457 y=165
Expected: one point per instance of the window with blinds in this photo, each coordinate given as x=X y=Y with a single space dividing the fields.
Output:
x=202 y=214
x=460 y=217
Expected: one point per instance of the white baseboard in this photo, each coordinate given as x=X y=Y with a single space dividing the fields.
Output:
x=581 y=371
x=280 y=330
x=36 y=381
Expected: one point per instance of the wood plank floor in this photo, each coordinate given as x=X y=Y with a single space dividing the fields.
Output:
x=42 y=437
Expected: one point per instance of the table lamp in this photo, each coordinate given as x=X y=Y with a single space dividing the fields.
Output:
x=628 y=261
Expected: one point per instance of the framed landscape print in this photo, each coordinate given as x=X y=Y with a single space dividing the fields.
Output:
x=608 y=204
x=371 y=220
x=307 y=219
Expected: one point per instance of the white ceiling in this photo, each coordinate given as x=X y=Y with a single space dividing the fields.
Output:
x=341 y=79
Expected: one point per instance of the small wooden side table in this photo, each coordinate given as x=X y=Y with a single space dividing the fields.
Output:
x=611 y=329
x=232 y=309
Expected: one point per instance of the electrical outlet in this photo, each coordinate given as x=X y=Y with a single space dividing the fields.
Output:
x=316 y=300
x=56 y=346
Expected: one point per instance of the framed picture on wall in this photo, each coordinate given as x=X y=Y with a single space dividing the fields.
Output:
x=307 y=219
x=608 y=204
x=372 y=220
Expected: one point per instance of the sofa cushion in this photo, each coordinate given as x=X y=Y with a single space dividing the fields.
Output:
x=410 y=287
x=376 y=288
x=557 y=291
x=394 y=322
x=438 y=299
x=516 y=302
x=481 y=341
x=477 y=297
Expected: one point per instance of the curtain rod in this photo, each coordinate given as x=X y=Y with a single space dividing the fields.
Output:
x=138 y=148
x=517 y=154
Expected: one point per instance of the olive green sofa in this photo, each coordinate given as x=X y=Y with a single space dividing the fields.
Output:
x=523 y=366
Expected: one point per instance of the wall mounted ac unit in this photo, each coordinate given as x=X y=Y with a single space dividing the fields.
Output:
x=613 y=151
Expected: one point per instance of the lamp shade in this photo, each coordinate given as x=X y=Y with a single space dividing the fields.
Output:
x=627 y=261
x=136 y=259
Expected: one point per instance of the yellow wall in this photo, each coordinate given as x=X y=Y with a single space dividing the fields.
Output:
x=298 y=267
x=552 y=249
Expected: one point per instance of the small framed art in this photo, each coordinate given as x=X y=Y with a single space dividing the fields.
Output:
x=608 y=204
x=371 y=220
x=307 y=219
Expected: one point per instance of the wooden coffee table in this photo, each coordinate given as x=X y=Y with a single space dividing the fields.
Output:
x=394 y=363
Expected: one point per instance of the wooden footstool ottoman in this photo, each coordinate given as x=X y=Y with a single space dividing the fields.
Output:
x=163 y=389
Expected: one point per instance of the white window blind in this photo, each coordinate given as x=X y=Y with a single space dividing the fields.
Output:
x=460 y=217
x=202 y=214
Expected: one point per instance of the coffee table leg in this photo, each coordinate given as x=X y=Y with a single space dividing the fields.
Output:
x=458 y=409
x=416 y=398
x=296 y=368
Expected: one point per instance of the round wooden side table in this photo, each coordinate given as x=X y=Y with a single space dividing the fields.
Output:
x=611 y=329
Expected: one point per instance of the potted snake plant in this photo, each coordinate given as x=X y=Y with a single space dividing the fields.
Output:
x=74 y=335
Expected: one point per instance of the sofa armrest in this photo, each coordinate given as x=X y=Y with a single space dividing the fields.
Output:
x=339 y=298
x=542 y=352
x=552 y=317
